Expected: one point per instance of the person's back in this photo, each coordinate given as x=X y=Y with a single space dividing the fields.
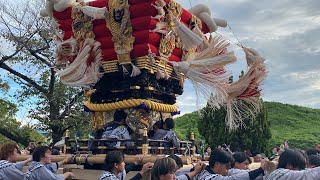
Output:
x=167 y=134
x=219 y=163
x=286 y=174
x=117 y=130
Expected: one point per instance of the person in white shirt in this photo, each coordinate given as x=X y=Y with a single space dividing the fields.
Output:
x=292 y=165
x=165 y=169
x=219 y=164
x=8 y=168
x=38 y=169
x=167 y=133
x=117 y=130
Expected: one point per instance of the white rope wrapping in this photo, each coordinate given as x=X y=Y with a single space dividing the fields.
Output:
x=188 y=38
x=80 y=73
x=94 y=12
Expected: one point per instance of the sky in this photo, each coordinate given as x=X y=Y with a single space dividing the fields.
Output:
x=286 y=33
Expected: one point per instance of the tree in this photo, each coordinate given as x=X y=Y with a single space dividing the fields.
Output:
x=255 y=136
x=4 y=86
x=30 y=63
x=11 y=129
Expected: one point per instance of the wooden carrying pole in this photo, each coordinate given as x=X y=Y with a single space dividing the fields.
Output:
x=99 y=159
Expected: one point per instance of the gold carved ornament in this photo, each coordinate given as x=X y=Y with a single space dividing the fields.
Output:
x=98 y=121
x=171 y=40
x=118 y=22
x=82 y=26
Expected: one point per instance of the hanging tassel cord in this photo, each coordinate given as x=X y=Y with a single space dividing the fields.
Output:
x=235 y=36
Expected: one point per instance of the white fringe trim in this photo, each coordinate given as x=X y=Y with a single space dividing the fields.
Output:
x=160 y=74
x=63 y=5
x=124 y=70
x=135 y=71
x=239 y=105
x=188 y=38
x=216 y=45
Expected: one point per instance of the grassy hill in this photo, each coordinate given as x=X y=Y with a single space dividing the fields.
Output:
x=299 y=125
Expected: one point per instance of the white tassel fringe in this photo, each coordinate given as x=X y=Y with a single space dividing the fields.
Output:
x=135 y=71
x=189 y=39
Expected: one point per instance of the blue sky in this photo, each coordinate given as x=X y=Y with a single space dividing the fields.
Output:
x=286 y=33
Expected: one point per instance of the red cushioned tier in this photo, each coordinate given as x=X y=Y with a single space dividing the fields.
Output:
x=135 y=2
x=101 y=31
x=174 y=58
x=65 y=25
x=67 y=35
x=143 y=9
x=143 y=23
x=106 y=42
x=98 y=22
x=186 y=16
x=177 y=52
x=99 y=3
x=66 y=14
x=142 y=50
x=138 y=51
x=146 y=37
x=109 y=54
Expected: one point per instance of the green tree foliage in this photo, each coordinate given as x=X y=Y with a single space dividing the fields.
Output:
x=4 y=86
x=254 y=136
x=186 y=124
x=11 y=129
x=29 y=62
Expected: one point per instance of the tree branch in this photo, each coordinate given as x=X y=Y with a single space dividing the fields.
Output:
x=19 y=139
x=4 y=58
x=68 y=127
x=34 y=53
x=68 y=106
x=27 y=79
x=52 y=80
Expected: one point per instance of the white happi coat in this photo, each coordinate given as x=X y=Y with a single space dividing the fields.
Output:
x=115 y=131
x=109 y=176
x=38 y=171
x=10 y=170
x=239 y=175
x=286 y=174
